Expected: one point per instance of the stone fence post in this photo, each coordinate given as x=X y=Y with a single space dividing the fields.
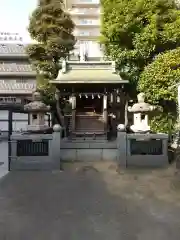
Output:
x=56 y=146
x=122 y=145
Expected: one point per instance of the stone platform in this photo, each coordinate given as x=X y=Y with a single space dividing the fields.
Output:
x=95 y=150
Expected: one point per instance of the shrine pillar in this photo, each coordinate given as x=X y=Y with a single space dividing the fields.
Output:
x=58 y=107
x=73 y=102
x=105 y=112
x=118 y=104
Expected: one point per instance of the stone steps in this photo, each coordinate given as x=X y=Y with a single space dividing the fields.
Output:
x=80 y=140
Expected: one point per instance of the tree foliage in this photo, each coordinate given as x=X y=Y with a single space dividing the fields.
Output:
x=158 y=78
x=135 y=31
x=158 y=82
x=47 y=90
x=164 y=122
x=51 y=27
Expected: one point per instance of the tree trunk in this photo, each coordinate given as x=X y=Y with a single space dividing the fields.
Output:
x=126 y=113
x=60 y=116
x=126 y=118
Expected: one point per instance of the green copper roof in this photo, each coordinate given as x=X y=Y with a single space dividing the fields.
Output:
x=88 y=72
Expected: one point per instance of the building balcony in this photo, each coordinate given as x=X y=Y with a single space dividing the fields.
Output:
x=84 y=12
x=86 y=3
x=11 y=51
x=88 y=23
x=13 y=69
x=7 y=87
x=86 y=34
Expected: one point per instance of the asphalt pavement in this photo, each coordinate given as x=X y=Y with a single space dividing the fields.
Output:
x=78 y=204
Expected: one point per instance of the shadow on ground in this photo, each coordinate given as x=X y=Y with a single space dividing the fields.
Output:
x=83 y=203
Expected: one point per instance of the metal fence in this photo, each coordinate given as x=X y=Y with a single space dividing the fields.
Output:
x=32 y=148
x=32 y=152
x=146 y=147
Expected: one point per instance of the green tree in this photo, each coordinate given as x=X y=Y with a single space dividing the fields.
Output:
x=157 y=81
x=47 y=90
x=52 y=28
x=135 y=31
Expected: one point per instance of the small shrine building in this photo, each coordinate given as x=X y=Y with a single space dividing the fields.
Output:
x=97 y=94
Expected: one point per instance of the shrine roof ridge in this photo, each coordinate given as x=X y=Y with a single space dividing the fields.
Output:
x=88 y=72
x=81 y=65
x=71 y=65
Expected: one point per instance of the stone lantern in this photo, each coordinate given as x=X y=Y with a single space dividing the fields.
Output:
x=36 y=110
x=141 y=112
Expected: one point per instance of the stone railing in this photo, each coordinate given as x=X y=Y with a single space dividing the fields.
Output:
x=35 y=151
x=44 y=151
x=142 y=150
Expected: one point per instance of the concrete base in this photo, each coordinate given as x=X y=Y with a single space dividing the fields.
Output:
x=147 y=161
x=50 y=162
x=144 y=159
x=88 y=151
x=31 y=165
x=118 y=151
x=88 y=155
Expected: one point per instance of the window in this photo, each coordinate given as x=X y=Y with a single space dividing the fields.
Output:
x=8 y=99
x=86 y=21
x=143 y=116
x=84 y=33
x=34 y=116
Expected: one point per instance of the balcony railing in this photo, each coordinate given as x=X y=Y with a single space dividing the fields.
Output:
x=87 y=23
x=86 y=2
x=18 y=88
x=84 y=12
x=86 y=33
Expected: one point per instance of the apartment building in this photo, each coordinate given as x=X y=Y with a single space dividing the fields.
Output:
x=86 y=16
x=17 y=79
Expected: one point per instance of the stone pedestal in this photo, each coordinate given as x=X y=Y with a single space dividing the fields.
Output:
x=36 y=151
x=56 y=146
x=121 y=146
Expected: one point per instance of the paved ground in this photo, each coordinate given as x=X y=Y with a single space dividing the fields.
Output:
x=90 y=203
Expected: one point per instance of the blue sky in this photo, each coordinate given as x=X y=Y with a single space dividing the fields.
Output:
x=14 y=15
